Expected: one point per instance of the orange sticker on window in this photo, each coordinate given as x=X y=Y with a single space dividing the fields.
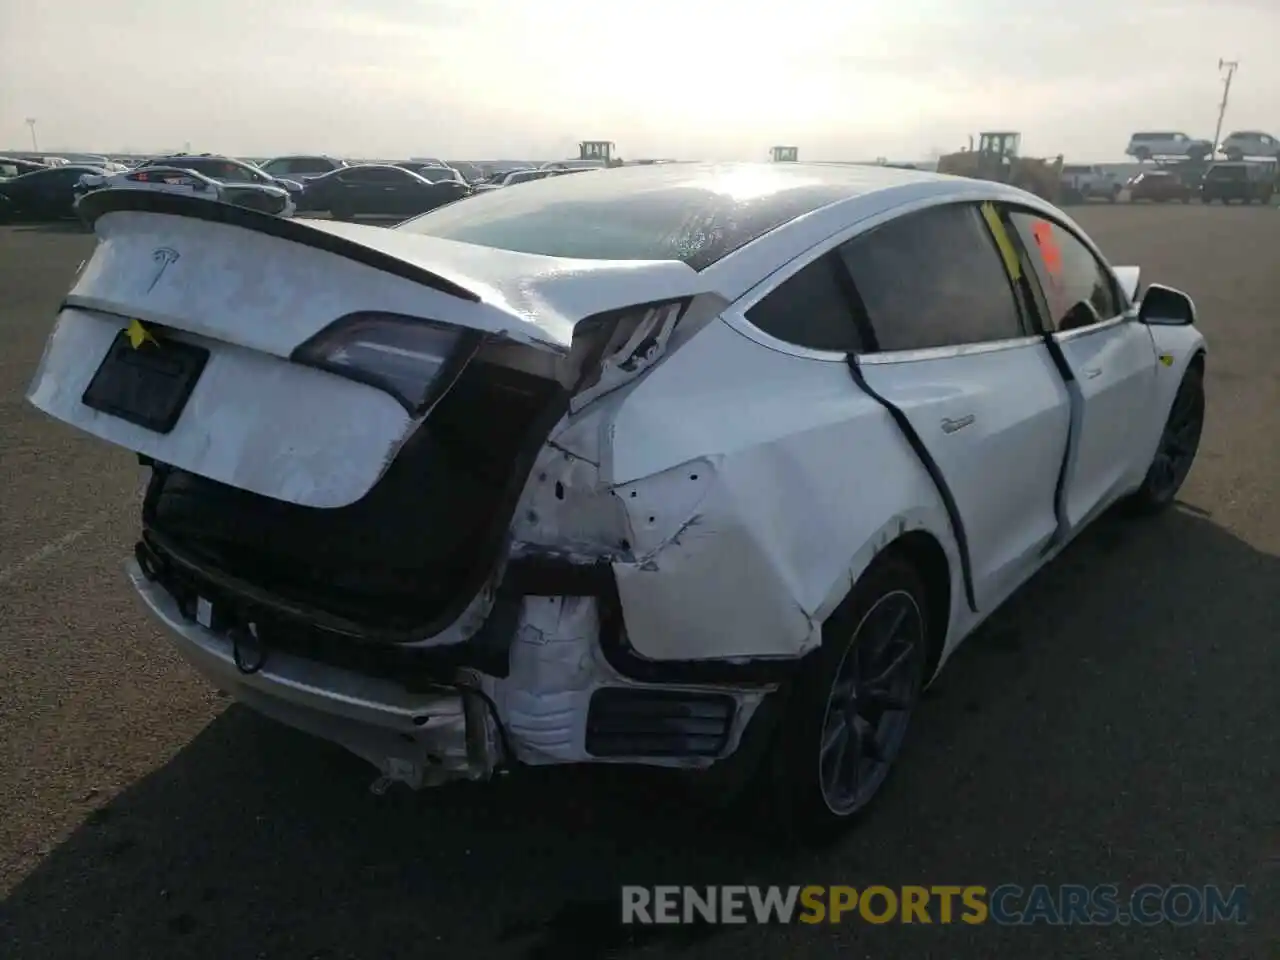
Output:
x=1048 y=244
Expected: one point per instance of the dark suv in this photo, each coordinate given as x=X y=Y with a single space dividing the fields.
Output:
x=1241 y=181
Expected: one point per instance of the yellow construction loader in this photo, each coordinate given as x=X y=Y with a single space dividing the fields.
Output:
x=996 y=158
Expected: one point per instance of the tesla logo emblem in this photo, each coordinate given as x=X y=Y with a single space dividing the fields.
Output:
x=162 y=257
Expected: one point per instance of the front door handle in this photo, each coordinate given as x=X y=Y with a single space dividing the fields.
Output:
x=1093 y=372
x=951 y=426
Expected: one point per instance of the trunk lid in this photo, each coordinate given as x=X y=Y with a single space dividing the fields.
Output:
x=251 y=288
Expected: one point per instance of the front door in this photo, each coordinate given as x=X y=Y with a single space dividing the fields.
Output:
x=954 y=354
x=1112 y=360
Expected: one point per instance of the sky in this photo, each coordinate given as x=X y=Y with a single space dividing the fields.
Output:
x=709 y=79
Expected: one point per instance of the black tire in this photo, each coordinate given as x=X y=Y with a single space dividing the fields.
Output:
x=1179 y=443
x=890 y=589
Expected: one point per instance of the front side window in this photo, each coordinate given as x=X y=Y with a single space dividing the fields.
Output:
x=1079 y=290
x=384 y=175
x=933 y=279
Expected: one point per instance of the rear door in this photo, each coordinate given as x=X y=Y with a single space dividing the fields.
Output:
x=955 y=355
x=358 y=190
x=1111 y=356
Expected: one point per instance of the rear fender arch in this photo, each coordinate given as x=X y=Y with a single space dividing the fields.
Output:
x=923 y=535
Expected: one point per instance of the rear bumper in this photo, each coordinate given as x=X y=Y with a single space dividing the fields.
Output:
x=417 y=738
x=562 y=701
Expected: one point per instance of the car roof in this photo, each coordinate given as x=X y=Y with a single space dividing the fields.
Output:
x=174 y=157
x=65 y=168
x=699 y=213
x=373 y=166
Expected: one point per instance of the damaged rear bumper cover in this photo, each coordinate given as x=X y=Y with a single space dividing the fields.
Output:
x=549 y=679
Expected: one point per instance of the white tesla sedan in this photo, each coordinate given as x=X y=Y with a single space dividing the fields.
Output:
x=685 y=465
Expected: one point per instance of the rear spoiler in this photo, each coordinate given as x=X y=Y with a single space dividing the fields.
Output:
x=115 y=200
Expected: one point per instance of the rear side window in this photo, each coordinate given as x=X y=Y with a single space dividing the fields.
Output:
x=809 y=309
x=933 y=279
x=309 y=165
x=1078 y=289
x=375 y=175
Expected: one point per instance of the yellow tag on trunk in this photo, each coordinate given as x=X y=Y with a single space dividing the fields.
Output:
x=138 y=334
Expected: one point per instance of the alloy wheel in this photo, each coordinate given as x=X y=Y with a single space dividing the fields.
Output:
x=875 y=689
x=1179 y=441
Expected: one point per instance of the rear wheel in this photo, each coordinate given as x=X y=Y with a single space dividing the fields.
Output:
x=850 y=706
x=1179 y=443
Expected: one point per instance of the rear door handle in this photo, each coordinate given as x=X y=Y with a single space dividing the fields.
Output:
x=1093 y=372
x=951 y=426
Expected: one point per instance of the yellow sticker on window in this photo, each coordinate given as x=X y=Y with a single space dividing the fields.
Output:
x=1010 y=255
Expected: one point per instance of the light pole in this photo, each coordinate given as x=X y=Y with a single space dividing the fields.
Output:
x=31 y=122
x=1230 y=67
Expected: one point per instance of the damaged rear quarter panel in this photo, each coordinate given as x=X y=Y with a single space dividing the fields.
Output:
x=757 y=486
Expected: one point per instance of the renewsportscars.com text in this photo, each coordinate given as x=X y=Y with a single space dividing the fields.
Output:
x=1005 y=905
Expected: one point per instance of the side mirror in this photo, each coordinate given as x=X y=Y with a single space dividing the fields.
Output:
x=1163 y=306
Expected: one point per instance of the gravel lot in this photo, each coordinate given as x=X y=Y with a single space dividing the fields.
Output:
x=1116 y=722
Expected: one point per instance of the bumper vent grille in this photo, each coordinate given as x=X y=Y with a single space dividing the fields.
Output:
x=626 y=722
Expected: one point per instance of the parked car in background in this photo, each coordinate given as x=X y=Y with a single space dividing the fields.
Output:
x=1145 y=146
x=302 y=167
x=469 y=171
x=11 y=167
x=95 y=160
x=1249 y=143
x=226 y=170
x=675 y=466
x=1159 y=186
x=515 y=177
x=265 y=197
x=1233 y=181
x=378 y=189
x=46 y=194
x=1084 y=182
x=431 y=171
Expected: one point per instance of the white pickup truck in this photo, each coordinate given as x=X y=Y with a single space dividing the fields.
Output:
x=1083 y=182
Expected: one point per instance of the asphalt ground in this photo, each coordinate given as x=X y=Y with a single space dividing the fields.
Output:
x=1116 y=722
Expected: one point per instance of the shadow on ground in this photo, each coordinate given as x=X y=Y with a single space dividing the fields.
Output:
x=257 y=842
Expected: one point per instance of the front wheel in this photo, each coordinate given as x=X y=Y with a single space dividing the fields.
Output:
x=1179 y=443
x=849 y=707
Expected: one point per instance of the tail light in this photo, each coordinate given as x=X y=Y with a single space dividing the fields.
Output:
x=618 y=346
x=413 y=360
x=416 y=360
